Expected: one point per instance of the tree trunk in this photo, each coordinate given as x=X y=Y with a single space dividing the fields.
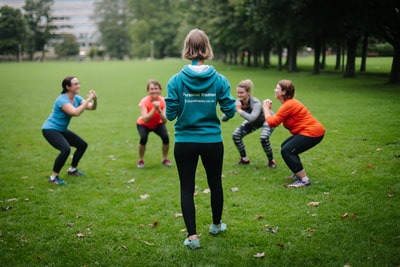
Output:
x=323 y=54
x=256 y=57
x=248 y=58
x=267 y=59
x=317 y=53
x=351 y=57
x=364 y=52
x=280 y=57
x=395 y=71
x=293 y=58
x=338 y=54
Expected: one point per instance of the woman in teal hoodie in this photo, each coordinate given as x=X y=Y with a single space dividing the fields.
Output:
x=193 y=95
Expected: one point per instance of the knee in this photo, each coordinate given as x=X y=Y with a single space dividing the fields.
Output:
x=143 y=141
x=84 y=145
x=285 y=151
x=65 y=150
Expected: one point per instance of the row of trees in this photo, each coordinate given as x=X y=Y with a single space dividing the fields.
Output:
x=30 y=31
x=241 y=31
x=246 y=31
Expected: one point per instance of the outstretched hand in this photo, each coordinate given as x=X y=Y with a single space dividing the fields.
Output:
x=92 y=95
x=267 y=103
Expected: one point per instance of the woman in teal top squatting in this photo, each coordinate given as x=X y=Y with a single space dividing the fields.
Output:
x=54 y=129
x=193 y=95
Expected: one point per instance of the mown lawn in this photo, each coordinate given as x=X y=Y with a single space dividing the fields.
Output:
x=104 y=218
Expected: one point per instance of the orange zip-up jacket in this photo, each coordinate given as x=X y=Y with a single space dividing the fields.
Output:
x=297 y=119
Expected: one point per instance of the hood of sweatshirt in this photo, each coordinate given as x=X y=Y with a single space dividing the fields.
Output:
x=198 y=78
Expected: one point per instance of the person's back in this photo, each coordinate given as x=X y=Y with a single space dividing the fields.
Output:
x=193 y=95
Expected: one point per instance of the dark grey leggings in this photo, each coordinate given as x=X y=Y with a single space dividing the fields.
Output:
x=295 y=145
x=63 y=141
x=186 y=158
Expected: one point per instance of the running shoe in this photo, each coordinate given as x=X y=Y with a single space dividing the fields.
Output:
x=57 y=181
x=244 y=162
x=140 y=164
x=167 y=163
x=215 y=229
x=76 y=172
x=192 y=244
x=297 y=184
x=272 y=164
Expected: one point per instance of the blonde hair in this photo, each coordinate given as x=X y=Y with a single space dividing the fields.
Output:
x=197 y=46
x=246 y=85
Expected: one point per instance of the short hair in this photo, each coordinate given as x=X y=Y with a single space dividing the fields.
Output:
x=246 y=85
x=197 y=46
x=288 y=87
x=155 y=82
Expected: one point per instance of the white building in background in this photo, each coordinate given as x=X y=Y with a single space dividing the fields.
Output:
x=79 y=13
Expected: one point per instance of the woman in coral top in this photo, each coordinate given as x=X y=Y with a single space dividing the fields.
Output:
x=306 y=131
x=152 y=119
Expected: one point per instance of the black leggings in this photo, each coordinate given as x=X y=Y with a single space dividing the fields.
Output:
x=160 y=130
x=186 y=158
x=63 y=141
x=295 y=145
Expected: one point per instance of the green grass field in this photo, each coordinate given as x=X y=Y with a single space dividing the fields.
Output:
x=354 y=174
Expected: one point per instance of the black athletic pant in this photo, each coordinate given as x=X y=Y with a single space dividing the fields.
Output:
x=295 y=145
x=160 y=130
x=186 y=158
x=63 y=141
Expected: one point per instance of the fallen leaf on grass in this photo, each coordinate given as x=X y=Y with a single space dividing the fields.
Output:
x=124 y=247
x=176 y=214
x=12 y=199
x=24 y=177
x=310 y=230
x=206 y=191
x=259 y=255
x=234 y=189
x=131 y=181
x=145 y=196
x=5 y=208
x=148 y=243
x=313 y=204
x=70 y=224
x=80 y=235
x=280 y=245
x=51 y=190
x=390 y=195
x=346 y=214
x=154 y=224
x=272 y=229
x=258 y=216
x=26 y=199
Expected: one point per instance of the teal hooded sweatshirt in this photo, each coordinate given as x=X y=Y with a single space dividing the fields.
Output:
x=193 y=95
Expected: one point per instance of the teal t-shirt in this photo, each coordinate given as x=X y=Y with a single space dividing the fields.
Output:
x=58 y=119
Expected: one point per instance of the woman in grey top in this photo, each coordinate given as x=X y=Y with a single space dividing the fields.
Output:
x=250 y=108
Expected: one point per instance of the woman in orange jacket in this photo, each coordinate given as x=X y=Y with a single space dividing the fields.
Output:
x=306 y=131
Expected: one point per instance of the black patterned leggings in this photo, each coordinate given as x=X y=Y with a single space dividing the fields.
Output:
x=246 y=128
